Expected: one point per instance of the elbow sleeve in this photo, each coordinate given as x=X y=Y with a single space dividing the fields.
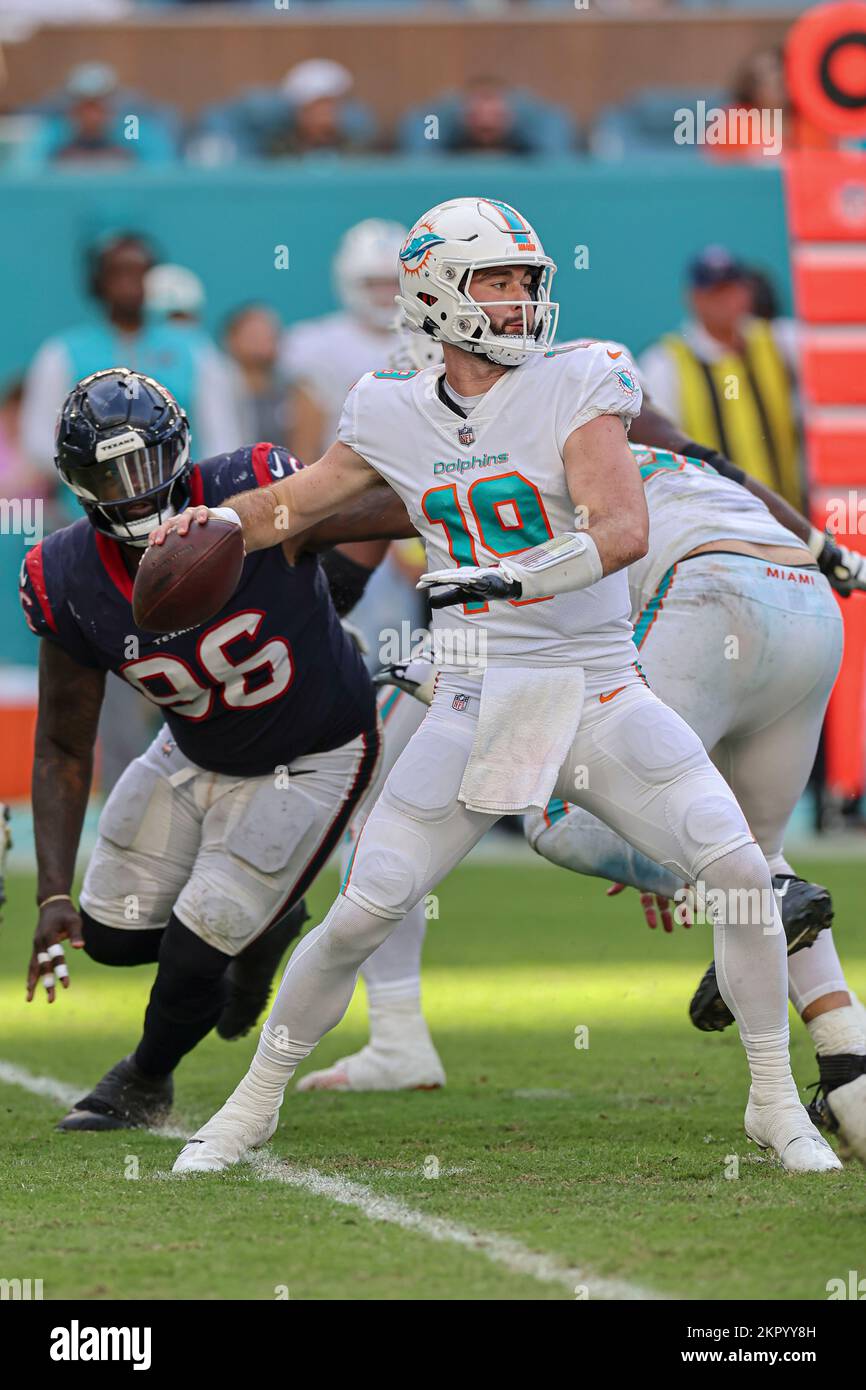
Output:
x=347 y=580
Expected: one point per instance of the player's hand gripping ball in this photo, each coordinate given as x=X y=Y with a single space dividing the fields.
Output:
x=189 y=571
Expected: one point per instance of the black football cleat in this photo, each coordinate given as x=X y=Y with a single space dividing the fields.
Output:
x=124 y=1099
x=251 y=974
x=806 y=909
x=839 y=1104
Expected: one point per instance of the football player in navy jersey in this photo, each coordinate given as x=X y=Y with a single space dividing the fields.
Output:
x=209 y=840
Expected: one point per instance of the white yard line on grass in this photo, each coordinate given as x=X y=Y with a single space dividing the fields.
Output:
x=500 y=1250
x=509 y=1254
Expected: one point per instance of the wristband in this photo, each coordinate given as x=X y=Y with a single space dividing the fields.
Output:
x=566 y=562
x=817 y=541
x=54 y=898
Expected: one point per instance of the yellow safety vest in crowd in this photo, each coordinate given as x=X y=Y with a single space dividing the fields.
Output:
x=743 y=406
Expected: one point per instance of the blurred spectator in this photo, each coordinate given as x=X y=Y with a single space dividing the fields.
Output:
x=324 y=357
x=727 y=377
x=251 y=338
x=488 y=122
x=760 y=91
x=310 y=113
x=181 y=356
x=488 y=117
x=18 y=476
x=92 y=122
x=763 y=292
x=174 y=292
x=314 y=92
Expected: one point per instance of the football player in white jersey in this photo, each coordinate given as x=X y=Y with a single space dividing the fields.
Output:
x=538 y=693
x=325 y=356
x=738 y=632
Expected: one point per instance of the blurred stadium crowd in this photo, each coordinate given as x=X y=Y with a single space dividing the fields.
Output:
x=314 y=112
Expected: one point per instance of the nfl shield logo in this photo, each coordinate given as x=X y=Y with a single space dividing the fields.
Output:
x=460 y=702
x=466 y=434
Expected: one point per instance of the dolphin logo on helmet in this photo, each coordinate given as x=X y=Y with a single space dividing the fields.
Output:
x=415 y=253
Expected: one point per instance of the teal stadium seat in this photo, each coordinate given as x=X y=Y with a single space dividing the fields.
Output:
x=645 y=125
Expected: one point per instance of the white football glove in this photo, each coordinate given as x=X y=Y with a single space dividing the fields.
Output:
x=416 y=677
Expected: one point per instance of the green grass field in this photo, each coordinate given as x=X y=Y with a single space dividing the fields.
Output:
x=609 y=1159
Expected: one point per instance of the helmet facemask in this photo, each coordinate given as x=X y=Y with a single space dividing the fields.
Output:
x=131 y=487
x=539 y=317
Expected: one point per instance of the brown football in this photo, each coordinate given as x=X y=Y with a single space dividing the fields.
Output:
x=187 y=579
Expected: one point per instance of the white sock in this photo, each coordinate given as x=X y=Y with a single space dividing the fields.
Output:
x=315 y=992
x=814 y=971
x=751 y=967
x=392 y=974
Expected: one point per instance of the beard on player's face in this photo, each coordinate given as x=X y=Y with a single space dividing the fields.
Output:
x=507 y=284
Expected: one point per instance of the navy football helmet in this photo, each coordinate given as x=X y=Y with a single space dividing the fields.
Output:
x=122 y=445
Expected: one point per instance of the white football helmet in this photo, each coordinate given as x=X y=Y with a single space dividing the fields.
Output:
x=368 y=251
x=413 y=351
x=438 y=260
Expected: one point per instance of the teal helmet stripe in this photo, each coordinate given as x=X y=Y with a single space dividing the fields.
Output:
x=517 y=227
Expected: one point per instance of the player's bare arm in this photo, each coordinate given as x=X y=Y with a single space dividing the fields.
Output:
x=375 y=516
x=70 y=698
x=607 y=491
x=272 y=515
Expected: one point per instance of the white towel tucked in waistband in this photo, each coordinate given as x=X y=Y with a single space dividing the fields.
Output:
x=527 y=723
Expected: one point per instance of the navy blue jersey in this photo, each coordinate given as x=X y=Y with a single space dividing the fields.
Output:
x=270 y=677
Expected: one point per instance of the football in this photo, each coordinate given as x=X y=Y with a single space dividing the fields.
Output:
x=187 y=579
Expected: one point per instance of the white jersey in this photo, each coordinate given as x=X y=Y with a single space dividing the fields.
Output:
x=328 y=355
x=492 y=485
x=689 y=505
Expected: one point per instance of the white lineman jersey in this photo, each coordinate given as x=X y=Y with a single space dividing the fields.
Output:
x=328 y=355
x=492 y=485
x=690 y=504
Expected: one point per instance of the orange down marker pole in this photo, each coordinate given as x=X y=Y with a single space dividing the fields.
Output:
x=825 y=193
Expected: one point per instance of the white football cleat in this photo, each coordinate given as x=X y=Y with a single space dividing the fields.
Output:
x=226 y=1139
x=847 y=1106
x=785 y=1128
x=400 y=1056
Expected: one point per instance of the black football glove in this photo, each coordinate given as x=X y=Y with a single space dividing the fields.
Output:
x=476 y=583
x=845 y=569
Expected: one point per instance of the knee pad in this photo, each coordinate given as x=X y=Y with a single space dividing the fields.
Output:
x=119 y=946
x=391 y=866
x=710 y=824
